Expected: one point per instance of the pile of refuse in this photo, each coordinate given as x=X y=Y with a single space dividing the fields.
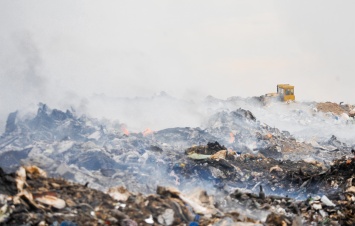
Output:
x=335 y=208
x=28 y=196
x=83 y=149
x=80 y=170
x=297 y=179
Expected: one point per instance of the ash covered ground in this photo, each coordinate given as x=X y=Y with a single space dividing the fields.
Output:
x=247 y=163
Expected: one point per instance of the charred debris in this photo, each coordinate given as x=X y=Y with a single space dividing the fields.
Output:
x=61 y=169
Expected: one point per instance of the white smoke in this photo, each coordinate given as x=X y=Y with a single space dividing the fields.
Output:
x=63 y=53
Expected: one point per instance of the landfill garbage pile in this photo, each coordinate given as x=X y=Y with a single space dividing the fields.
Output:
x=83 y=149
x=298 y=179
x=30 y=197
x=304 y=120
x=231 y=151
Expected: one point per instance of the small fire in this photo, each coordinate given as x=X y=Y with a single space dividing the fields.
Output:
x=231 y=138
x=268 y=136
x=147 y=132
x=124 y=130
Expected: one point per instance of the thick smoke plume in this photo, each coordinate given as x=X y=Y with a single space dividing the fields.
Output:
x=21 y=77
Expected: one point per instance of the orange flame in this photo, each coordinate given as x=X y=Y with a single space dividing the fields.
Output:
x=125 y=131
x=231 y=138
x=147 y=132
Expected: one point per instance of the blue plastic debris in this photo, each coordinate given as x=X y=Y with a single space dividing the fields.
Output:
x=196 y=220
x=68 y=223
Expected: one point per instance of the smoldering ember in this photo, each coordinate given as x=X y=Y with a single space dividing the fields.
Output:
x=237 y=168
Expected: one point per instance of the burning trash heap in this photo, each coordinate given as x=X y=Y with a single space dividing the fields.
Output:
x=61 y=169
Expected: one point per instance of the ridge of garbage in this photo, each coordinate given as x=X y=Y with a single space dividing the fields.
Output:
x=233 y=156
x=30 y=197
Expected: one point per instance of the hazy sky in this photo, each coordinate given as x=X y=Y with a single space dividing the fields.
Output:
x=56 y=51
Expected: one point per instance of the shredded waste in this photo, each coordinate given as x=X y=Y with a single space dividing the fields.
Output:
x=31 y=198
x=60 y=169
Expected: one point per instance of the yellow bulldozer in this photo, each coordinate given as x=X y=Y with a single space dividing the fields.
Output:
x=285 y=92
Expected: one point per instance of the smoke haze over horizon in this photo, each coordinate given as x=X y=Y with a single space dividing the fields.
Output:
x=66 y=52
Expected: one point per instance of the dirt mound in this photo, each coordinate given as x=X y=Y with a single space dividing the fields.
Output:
x=330 y=107
x=337 y=109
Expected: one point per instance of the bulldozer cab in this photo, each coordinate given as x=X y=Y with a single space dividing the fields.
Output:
x=286 y=92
